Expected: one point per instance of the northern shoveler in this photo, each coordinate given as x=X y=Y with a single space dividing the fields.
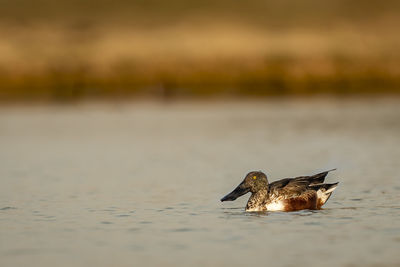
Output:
x=290 y=194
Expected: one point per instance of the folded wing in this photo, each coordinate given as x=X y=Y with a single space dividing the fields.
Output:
x=292 y=187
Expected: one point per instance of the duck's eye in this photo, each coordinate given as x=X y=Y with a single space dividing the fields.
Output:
x=254 y=177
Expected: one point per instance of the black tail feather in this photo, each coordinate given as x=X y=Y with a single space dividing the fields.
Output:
x=320 y=177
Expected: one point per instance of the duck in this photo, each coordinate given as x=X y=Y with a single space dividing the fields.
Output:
x=289 y=194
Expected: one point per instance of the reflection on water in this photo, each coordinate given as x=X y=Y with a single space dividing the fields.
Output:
x=140 y=183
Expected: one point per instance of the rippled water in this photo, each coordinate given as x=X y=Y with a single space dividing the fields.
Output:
x=138 y=184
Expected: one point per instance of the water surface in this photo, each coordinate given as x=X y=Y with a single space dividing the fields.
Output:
x=132 y=184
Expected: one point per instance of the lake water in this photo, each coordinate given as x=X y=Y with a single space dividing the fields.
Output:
x=138 y=184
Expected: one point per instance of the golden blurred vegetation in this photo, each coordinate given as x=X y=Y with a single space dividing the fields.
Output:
x=68 y=50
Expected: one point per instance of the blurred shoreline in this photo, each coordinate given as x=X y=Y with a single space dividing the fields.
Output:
x=156 y=52
x=384 y=100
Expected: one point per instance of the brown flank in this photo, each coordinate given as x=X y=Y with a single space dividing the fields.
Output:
x=305 y=201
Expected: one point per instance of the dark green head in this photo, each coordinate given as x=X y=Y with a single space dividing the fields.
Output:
x=253 y=182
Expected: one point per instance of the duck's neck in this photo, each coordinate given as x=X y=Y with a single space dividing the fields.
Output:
x=257 y=200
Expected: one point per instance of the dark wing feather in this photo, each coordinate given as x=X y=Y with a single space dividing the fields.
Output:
x=296 y=186
x=288 y=187
x=318 y=178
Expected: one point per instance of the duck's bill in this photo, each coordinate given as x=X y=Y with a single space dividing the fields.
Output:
x=239 y=191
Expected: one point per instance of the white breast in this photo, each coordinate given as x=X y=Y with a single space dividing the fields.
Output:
x=275 y=206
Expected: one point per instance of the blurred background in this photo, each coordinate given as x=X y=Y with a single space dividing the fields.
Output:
x=98 y=169
x=70 y=50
